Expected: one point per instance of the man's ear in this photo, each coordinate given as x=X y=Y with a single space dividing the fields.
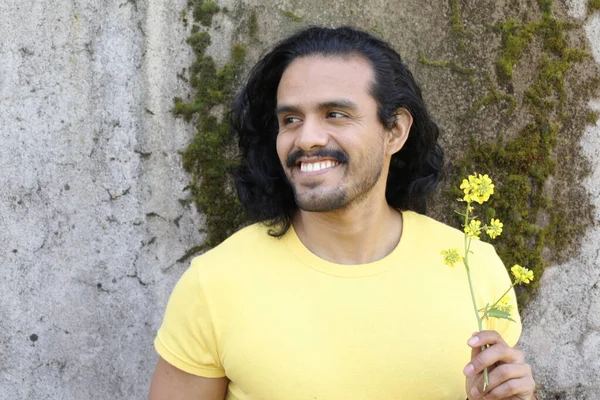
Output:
x=398 y=133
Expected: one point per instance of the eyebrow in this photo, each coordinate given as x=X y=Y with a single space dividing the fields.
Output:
x=343 y=103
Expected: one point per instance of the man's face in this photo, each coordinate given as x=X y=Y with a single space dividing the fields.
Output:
x=330 y=141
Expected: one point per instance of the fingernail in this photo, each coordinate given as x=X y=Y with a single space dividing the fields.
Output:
x=473 y=341
x=474 y=392
x=469 y=369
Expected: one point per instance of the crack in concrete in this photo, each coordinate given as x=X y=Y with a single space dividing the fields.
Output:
x=42 y=245
x=153 y=214
x=116 y=196
x=141 y=28
x=98 y=286
x=176 y=220
x=143 y=155
x=133 y=2
x=148 y=243
x=102 y=289
x=141 y=282
x=135 y=273
x=61 y=365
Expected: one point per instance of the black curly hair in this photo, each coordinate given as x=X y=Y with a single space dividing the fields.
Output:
x=260 y=181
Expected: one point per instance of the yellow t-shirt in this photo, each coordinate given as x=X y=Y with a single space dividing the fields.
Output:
x=281 y=323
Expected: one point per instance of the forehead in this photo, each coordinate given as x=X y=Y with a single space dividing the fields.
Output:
x=322 y=78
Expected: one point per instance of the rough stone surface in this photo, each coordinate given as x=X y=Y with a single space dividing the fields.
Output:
x=562 y=323
x=90 y=223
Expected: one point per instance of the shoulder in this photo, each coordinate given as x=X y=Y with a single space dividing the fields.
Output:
x=427 y=228
x=238 y=253
x=246 y=241
x=428 y=232
x=424 y=223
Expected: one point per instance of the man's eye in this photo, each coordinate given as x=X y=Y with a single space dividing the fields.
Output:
x=336 y=115
x=290 y=120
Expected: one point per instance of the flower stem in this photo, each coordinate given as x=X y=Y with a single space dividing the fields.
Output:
x=498 y=301
x=479 y=319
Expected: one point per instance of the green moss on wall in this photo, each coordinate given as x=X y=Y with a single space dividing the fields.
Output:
x=520 y=169
x=495 y=96
x=515 y=38
x=456 y=25
x=593 y=5
x=253 y=26
x=591 y=117
x=292 y=16
x=455 y=18
x=522 y=166
x=207 y=158
x=446 y=64
x=204 y=12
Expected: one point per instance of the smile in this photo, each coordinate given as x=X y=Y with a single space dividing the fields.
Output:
x=317 y=166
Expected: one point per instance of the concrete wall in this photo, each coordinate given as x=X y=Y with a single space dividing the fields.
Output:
x=90 y=223
x=91 y=226
x=562 y=324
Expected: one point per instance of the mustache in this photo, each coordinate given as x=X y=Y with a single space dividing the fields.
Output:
x=337 y=155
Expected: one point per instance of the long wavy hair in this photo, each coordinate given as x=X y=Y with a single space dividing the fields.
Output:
x=260 y=180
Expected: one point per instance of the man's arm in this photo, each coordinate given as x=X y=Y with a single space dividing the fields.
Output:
x=171 y=383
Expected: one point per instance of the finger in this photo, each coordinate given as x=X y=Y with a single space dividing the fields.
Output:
x=512 y=387
x=476 y=349
x=486 y=338
x=506 y=372
x=497 y=353
x=474 y=386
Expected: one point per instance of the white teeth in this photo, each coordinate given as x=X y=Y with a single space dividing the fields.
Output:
x=317 y=166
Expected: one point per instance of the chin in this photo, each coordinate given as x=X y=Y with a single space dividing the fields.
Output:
x=324 y=203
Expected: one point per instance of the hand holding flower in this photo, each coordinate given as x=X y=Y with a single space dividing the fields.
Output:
x=511 y=377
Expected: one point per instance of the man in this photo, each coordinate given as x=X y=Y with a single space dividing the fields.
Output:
x=340 y=292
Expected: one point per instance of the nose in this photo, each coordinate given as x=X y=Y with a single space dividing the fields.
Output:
x=311 y=134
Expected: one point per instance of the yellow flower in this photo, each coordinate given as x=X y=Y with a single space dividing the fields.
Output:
x=468 y=186
x=483 y=189
x=451 y=256
x=473 y=229
x=494 y=229
x=504 y=304
x=522 y=275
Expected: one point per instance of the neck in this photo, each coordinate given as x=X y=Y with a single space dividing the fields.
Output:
x=357 y=235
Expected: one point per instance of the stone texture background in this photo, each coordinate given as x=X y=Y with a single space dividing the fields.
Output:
x=90 y=223
x=562 y=323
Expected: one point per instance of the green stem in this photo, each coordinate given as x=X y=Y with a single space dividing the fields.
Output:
x=479 y=320
x=466 y=262
x=498 y=301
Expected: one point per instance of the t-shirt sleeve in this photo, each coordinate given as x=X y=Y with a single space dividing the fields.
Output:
x=497 y=280
x=186 y=338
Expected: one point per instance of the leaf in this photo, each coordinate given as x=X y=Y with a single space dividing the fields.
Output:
x=496 y=313
x=484 y=309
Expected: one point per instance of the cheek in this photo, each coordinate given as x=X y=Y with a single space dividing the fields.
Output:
x=282 y=145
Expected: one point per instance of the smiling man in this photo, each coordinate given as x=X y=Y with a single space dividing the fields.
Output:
x=339 y=290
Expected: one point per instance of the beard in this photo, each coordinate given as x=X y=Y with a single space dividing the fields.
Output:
x=336 y=199
x=356 y=184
